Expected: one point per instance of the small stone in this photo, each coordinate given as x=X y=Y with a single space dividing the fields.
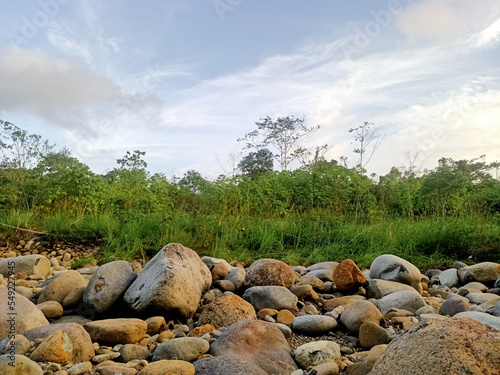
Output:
x=155 y=323
x=285 y=317
x=105 y=357
x=271 y=312
x=79 y=368
x=202 y=330
x=371 y=334
x=313 y=324
x=51 y=309
x=184 y=348
x=317 y=352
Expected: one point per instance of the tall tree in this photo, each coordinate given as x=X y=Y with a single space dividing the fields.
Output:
x=257 y=163
x=368 y=140
x=283 y=134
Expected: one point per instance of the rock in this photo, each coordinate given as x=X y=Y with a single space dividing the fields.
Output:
x=287 y=332
x=114 y=370
x=51 y=309
x=130 y=352
x=261 y=314
x=227 y=310
x=237 y=277
x=28 y=315
x=479 y=298
x=80 y=339
x=285 y=317
x=222 y=264
x=210 y=296
x=117 y=331
x=30 y=264
x=411 y=301
x=57 y=347
x=107 y=285
x=166 y=367
x=19 y=365
x=495 y=311
x=80 y=368
x=454 y=304
x=301 y=270
x=360 y=312
x=202 y=330
x=74 y=298
x=322 y=274
x=155 y=323
x=476 y=285
x=273 y=297
x=482 y=272
x=313 y=281
x=327 y=368
x=371 y=334
x=378 y=288
x=226 y=365
x=316 y=353
x=59 y=287
x=162 y=284
x=432 y=272
x=322 y=266
x=304 y=292
x=313 y=324
x=24 y=291
x=449 y=278
x=15 y=345
x=219 y=272
x=182 y=348
x=458 y=265
x=497 y=283
x=342 y=301
x=373 y=355
x=426 y=349
x=257 y=342
x=264 y=272
x=225 y=285
x=106 y=357
x=393 y=268
x=481 y=317
x=347 y=276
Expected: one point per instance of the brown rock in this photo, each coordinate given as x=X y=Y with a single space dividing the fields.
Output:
x=285 y=317
x=165 y=335
x=342 y=301
x=200 y=331
x=60 y=286
x=356 y=314
x=269 y=272
x=226 y=310
x=450 y=346
x=371 y=334
x=117 y=331
x=219 y=271
x=51 y=309
x=347 y=276
x=264 y=312
x=113 y=370
x=155 y=324
x=74 y=298
x=304 y=292
x=55 y=348
x=168 y=367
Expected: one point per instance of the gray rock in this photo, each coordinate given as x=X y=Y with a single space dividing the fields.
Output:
x=497 y=283
x=479 y=298
x=18 y=365
x=182 y=348
x=481 y=317
x=237 y=277
x=322 y=266
x=410 y=301
x=130 y=352
x=31 y=264
x=322 y=274
x=432 y=272
x=107 y=285
x=287 y=332
x=313 y=324
x=449 y=278
x=378 y=288
x=301 y=270
x=226 y=365
x=316 y=353
x=482 y=272
x=458 y=265
x=163 y=283
x=273 y=297
x=454 y=304
x=393 y=268
x=427 y=309
x=495 y=311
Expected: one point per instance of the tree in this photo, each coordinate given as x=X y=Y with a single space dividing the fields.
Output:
x=257 y=163
x=369 y=140
x=284 y=134
x=133 y=161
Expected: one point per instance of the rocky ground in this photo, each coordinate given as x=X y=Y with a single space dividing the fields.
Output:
x=178 y=313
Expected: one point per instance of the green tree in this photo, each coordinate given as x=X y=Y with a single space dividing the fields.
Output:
x=257 y=163
x=133 y=160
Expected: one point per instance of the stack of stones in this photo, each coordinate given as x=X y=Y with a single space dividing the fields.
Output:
x=182 y=314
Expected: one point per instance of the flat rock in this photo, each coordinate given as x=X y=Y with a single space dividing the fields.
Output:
x=265 y=272
x=273 y=297
x=117 y=331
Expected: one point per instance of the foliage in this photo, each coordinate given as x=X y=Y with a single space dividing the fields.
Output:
x=257 y=163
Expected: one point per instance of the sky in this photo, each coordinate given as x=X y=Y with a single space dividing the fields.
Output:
x=182 y=80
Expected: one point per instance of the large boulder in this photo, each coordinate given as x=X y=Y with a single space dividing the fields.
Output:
x=348 y=276
x=260 y=343
x=272 y=297
x=393 y=268
x=107 y=285
x=61 y=285
x=226 y=310
x=482 y=272
x=172 y=282
x=27 y=316
x=55 y=348
x=449 y=346
x=117 y=331
x=269 y=272
x=30 y=264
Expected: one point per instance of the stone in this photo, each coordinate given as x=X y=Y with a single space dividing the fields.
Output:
x=237 y=277
x=481 y=317
x=221 y=263
x=168 y=367
x=348 y=276
x=373 y=354
x=393 y=268
x=371 y=334
x=316 y=353
x=30 y=264
x=301 y=270
x=313 y=281
x=322 y=274
x=264 y=272
x=458 y=265
x=479 y=298
x=106 y=357
x=482 y=272
x=313 y=324
x=287 y=332
x=432 y=272
x=155 y=323
x=225 y=285
x=327 y=368
x=117 y=331
x=218 y=271
x=476 y=285
x=107 y=285
x=354 y=315
x=454 y=304
x=182 y=348
x=261 y=314
x=130 y=352
x=495 y=311
x=449 y=278
x=74 y=298
x=202 y=330
x=226 y=310
x=19 y=365
x=24 y=291
x=114 y=370
x=285 y=317
x=497 y=283
x=59 y=287
x=163 y=283
x=57 y=347
x=79 y=338
x=407 y=300
x=273 y=297
x=304 y=292
x=342 y=301
x=51 y=309
x=378 y=288
x=258 y=342
x=28 y=316
x=322 y=266
x=450 y=346
x=80 y=368
x=226 y=365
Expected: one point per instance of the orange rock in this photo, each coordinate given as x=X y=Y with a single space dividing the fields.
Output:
x=271 y=312
x=348 y=276
x=165 y=335
x=285 y=317
x=200 y=331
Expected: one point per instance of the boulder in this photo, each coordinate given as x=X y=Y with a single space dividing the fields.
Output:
x=107 y=285
x=226 y=310
x=130 y=352
x=182 y=348
x=260 y=343
x=378 y=288
x=269 y=272
x=226 y=365
x=449 y=346
x=316 y=353
x=18 y=365
x=355 y=314
x=57 y=347
x=51 y=309
x=117 y=331
x=59 y=287
x=19 y=344
x=30 y=264
x=393 y=268
x=155 y=323
x=348 y=276
x=163 y=283
x=273 y=297
x=482 y=272
x=406 y=300
x=28 y=315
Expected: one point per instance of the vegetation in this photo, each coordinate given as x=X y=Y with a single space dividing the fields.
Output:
x=323 y=211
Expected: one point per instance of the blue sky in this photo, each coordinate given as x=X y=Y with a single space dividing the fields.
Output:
x=183 y=79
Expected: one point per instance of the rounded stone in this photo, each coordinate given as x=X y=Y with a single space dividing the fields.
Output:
x=269 y=272
x=227 y=310
x=371 y=334
x=354 y=315
x=406 y=300
x=313 y=324
x=348 y=276
x=182 y=348
x=316 y=353
x=22 y=365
